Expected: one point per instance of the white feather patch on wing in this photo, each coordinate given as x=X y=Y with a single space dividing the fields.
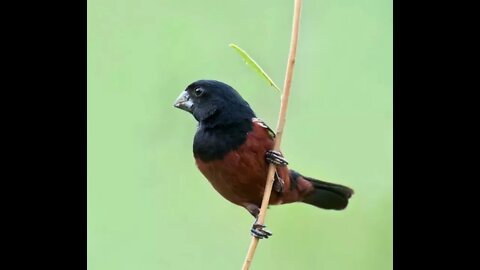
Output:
x=261 y=123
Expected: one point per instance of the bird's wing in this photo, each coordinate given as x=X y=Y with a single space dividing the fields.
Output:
x=261 y=123
x=281 y=173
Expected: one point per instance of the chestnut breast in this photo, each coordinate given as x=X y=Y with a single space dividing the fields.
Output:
x=240 y=175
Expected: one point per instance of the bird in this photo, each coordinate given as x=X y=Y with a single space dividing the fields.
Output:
x=233 y=148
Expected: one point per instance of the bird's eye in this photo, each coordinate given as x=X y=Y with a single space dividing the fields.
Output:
x=198 y=91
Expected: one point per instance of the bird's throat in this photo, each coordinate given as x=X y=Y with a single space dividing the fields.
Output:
x=213 y=143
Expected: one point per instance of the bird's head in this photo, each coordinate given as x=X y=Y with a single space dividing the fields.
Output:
x=213 y=102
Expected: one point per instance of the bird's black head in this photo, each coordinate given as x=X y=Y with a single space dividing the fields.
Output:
x=214 y=103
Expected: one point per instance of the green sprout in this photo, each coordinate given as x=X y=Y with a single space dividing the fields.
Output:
x=249 y=61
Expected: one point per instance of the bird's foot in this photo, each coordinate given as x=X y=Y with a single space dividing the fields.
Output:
x=275 y=158
x=278 y=183
x=259 y=232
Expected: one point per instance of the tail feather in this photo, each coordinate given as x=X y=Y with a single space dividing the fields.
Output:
x=327 y=195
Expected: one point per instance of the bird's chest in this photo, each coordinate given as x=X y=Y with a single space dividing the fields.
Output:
x=239 y=173
x=211 y=145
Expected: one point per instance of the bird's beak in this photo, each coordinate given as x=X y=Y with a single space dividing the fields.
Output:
x=183 y=102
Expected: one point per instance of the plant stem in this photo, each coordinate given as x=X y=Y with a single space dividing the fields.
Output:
x=280 y=127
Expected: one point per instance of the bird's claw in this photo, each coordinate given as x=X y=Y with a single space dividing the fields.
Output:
x=259 y=232
x=275 y=158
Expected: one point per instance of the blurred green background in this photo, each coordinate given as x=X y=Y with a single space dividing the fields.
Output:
x=148 y=205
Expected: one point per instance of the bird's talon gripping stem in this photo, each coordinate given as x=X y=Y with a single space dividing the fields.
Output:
x=259 y=232
x=275 y=158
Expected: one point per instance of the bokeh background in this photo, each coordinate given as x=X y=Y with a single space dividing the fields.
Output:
x=148 y=205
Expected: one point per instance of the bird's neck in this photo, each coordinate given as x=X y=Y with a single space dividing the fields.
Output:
x=214 y=142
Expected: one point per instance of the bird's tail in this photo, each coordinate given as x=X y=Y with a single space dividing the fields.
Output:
x=327 y=195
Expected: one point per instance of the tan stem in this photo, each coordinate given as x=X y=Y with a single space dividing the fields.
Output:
x=280 y=127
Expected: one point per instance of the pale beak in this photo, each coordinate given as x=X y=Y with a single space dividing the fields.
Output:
x=183 y=102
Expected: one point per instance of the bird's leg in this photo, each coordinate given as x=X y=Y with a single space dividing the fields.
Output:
x=276 y=158
x=257 y=230
x=278 y=183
